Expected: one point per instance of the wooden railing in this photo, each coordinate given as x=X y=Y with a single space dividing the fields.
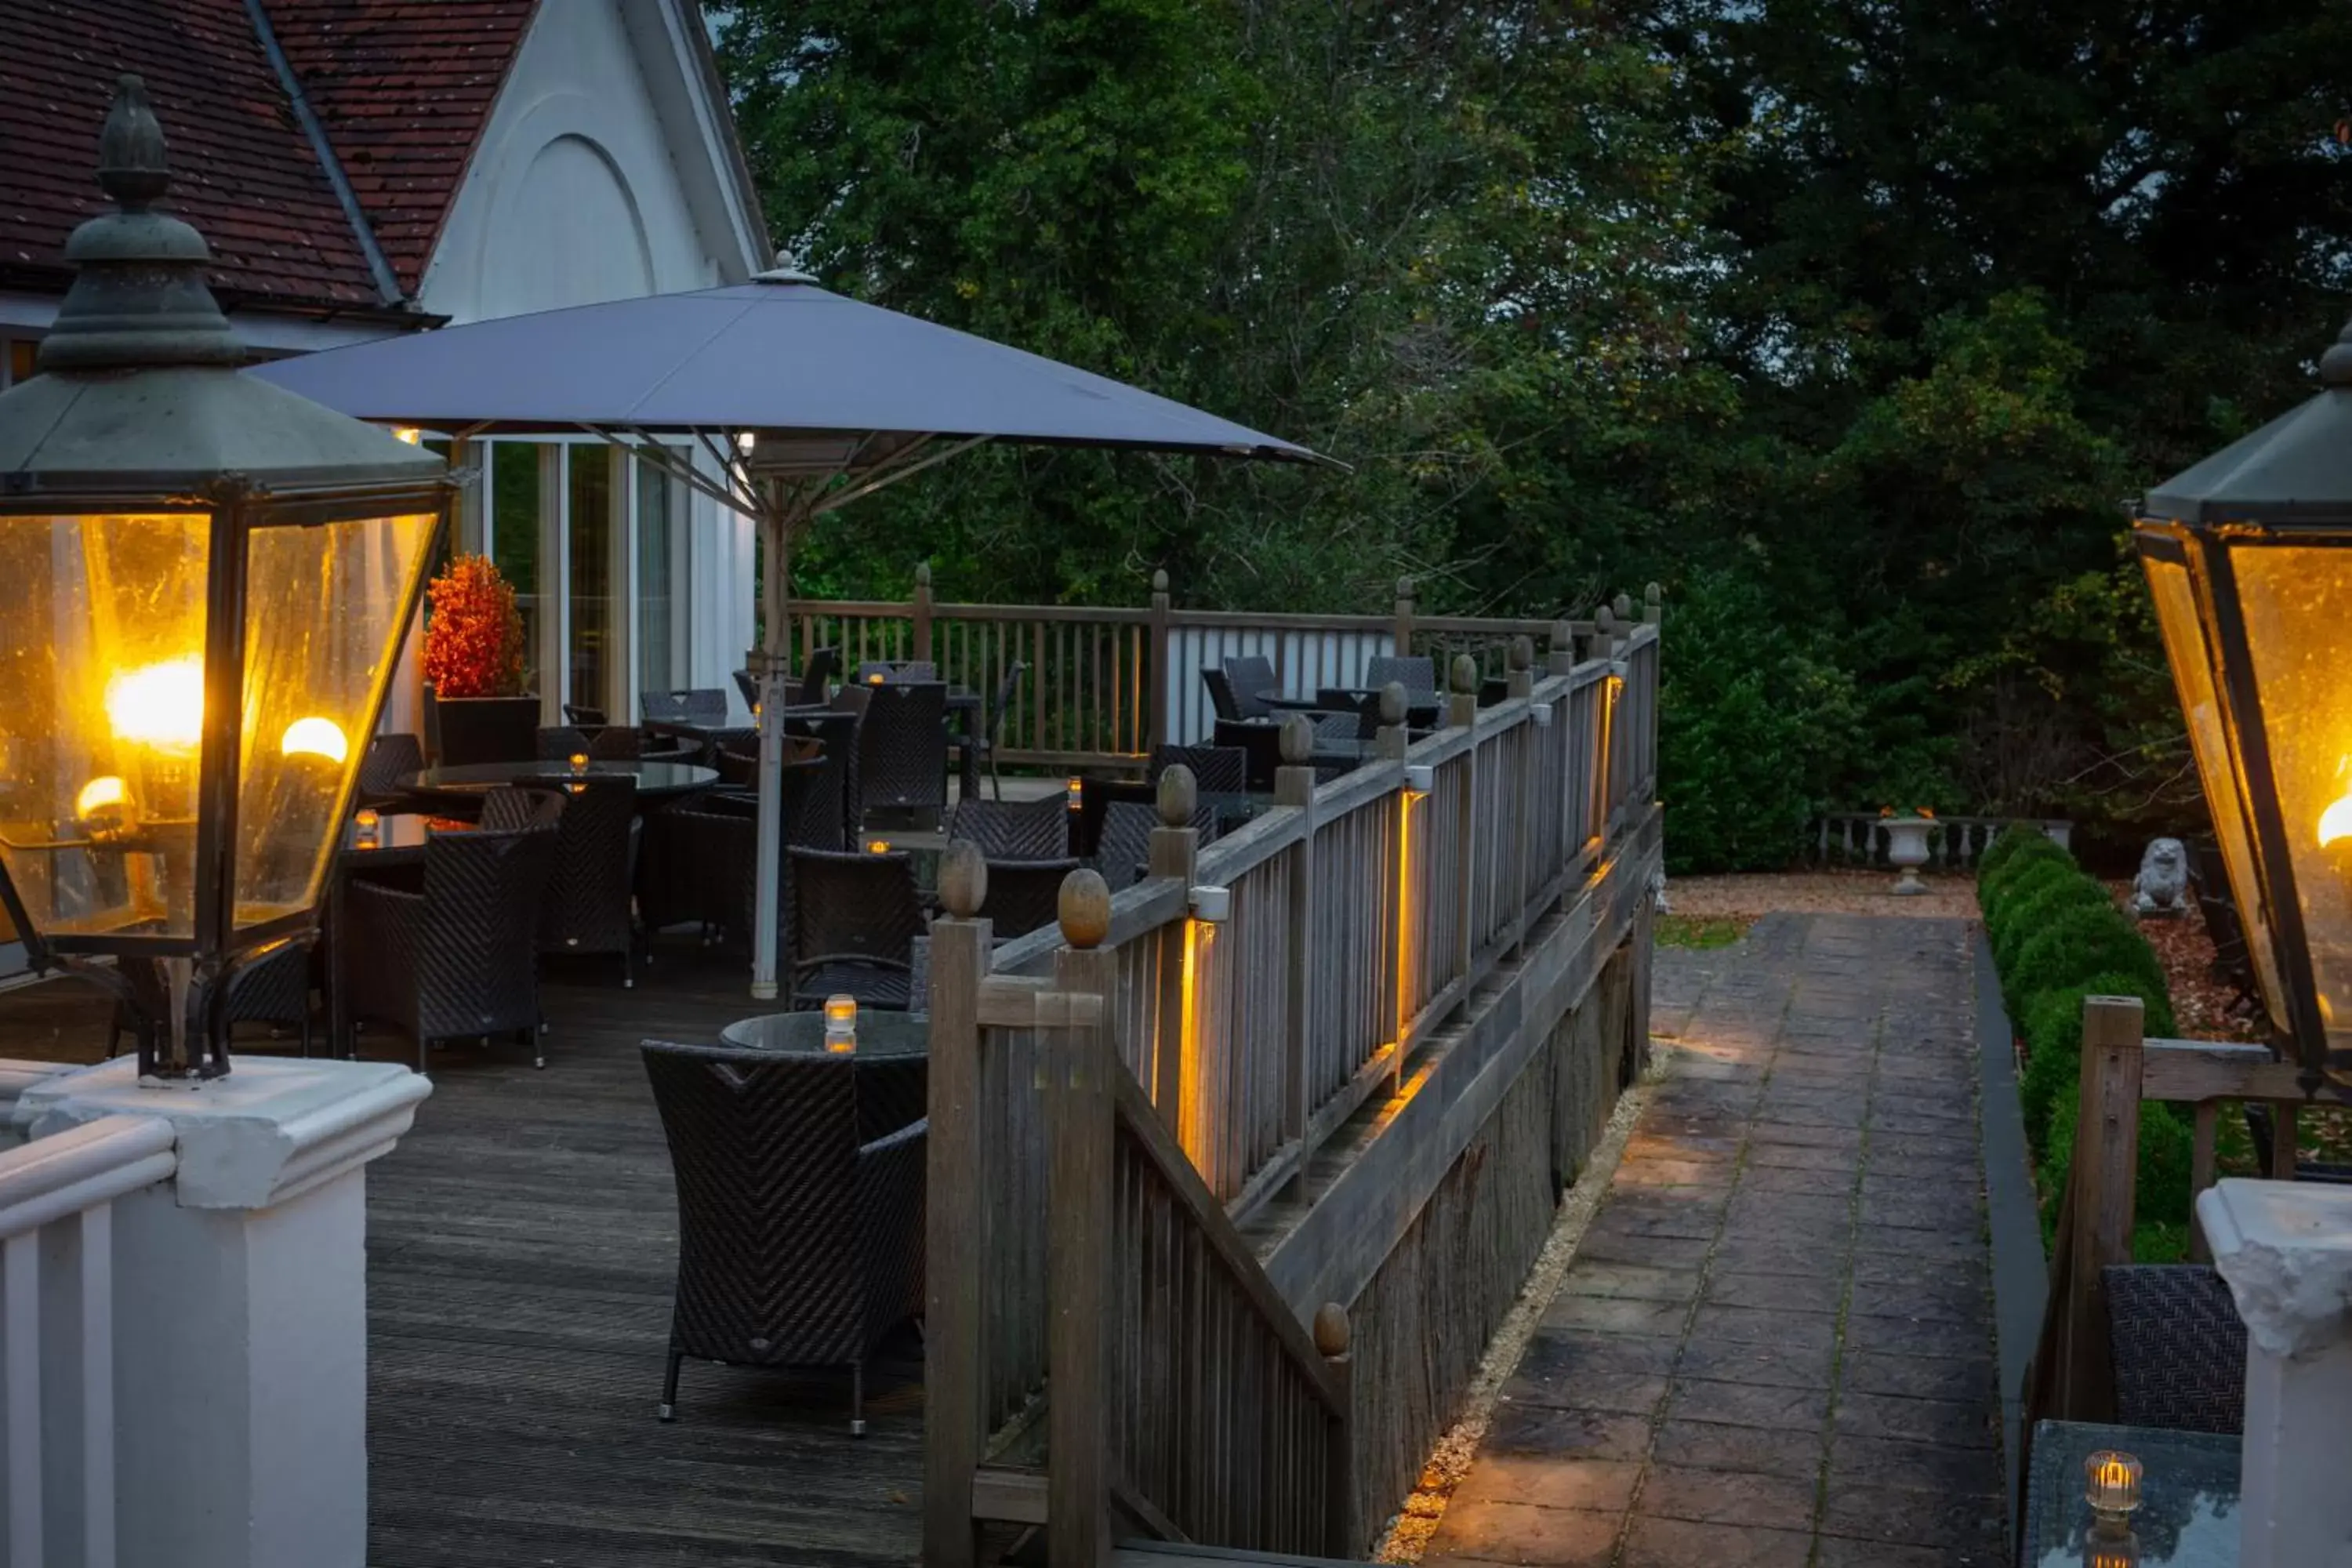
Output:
x=2072 y=1375
x=1105 y=684
x=1111 y=1099
x=57 y=1332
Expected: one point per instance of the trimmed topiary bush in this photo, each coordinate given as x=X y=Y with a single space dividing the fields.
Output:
x=2012 y=839
x=2161 y=1202
x=2075 y=942
x=2034 y=905
x=2053 y=1029
x=2030 y=848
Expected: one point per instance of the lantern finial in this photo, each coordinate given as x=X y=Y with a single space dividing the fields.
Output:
x=2336 y=364
x=139 y=297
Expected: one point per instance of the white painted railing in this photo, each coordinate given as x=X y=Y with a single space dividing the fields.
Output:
x=57 y=1327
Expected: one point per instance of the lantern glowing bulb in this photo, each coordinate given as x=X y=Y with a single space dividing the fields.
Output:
x=2335 y=821
x=410 y=433
x=841 y=1024
x=159 y=705
x=2111 y=1485
x=315 y=737
x=104 y=793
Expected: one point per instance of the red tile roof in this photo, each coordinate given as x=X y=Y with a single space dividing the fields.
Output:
x=402 y=87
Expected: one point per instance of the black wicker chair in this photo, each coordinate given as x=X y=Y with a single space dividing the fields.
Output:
x=459 y=958
x=748 y=688
x=389 y=758
x=1017 y=830
x=273 y=989
x=1251 y=678
x=1022 y=896
x=699 y=705
x=983 y=743
x=902 y=748
x=1123 y=852
x=854 y=920
x=1417 y=673
x=2178 y=1348
x=699 y=854
x=613 y=743
x=1223 y=699
x=587 y=902
x=893 y=670
x=816 y=675
x=1216 y=770
x=800 y=1206
x=831 y=789
x=585 y=717
x=1259 y=741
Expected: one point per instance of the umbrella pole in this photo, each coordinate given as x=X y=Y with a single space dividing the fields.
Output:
x=775 y=522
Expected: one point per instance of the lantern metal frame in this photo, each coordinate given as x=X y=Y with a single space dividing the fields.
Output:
x=140 y=345
x=2288 y=484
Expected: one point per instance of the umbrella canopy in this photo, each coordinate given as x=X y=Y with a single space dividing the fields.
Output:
x=840 y=398
x=776 y=355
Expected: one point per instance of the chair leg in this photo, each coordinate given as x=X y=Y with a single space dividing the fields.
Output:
x=670 y=1385
x=538 y=1038
x=628 y=968
x=857 y=1399
x=995 y=779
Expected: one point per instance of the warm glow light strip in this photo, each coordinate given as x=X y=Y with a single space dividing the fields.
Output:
x=1404 y=918
x=1191 y=1109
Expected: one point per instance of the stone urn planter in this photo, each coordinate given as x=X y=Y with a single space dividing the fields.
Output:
x=1906 y=851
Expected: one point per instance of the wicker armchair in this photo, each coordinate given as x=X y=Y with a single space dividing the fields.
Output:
x=902 y=747
x=831 y=789
x=748 y=686
x=699 y=855
x=854 y=918
x=613 y=743
x=1224 y=701
x=894 y=670
x=2178 y=1348
x=1019 y=830
x=699 y=705
x=585 y=717
x=587 y=902
x=1251 y=678
x=800 y=1206
x=273 y=989
x=389 y=758
x=459 y=958
x=981 y=744
x=1023 y=896
x=1260 y=744
x=1417 y=674
x=1123 y=853
x=1216 y=770
x=816 y=675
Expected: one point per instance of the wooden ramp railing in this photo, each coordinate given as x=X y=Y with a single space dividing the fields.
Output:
x=1106 y=683
x=2072 y=1375
x=1109 y=1100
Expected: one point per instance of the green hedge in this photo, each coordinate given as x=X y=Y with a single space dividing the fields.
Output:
x=2057 y=937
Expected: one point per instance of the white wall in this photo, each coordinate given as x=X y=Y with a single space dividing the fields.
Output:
x=603 y=174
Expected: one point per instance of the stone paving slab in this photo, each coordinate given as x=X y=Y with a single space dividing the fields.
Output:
x=1775 y=1344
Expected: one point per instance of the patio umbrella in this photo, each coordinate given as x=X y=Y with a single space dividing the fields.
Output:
x=801 y=400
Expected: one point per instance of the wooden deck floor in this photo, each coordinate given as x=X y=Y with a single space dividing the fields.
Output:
x=520 y=1248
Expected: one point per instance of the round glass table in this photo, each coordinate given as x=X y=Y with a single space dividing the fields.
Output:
x=880 y=1033
x=653 y=780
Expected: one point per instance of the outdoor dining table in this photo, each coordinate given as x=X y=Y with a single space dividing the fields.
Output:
x=892 y=1061
x=655 y=780
x=2187 y=1513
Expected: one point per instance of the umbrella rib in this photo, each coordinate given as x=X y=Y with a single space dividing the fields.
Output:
x=877 y=478
x=687 y=358
x=664 y=458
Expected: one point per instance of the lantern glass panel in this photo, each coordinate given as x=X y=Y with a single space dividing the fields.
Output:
x=101 y=707
x=2189 y=651
x=324 y=626
x=2297 y=603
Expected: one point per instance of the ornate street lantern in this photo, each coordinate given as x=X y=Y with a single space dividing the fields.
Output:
x=2248 y=556
x=204 y=580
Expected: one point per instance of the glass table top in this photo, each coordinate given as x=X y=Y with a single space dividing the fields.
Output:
x=881 y=1031
x=2187 y=1515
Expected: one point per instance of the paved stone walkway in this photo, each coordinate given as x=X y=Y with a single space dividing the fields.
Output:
x=1775 y=1344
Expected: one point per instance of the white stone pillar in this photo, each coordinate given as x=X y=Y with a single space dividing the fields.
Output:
x=240 y=1307
x=2285 y=1248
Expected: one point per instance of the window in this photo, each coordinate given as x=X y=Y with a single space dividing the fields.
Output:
x=514 y=536
x=659 y=668
x=588 y=478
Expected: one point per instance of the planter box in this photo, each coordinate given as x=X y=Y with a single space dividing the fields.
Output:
x=460 y=730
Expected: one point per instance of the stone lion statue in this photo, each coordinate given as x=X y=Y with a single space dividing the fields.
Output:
x=2162 y=888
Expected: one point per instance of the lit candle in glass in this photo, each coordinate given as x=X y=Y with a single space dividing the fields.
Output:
x=1077 y=789
x=841 y=1024
x=877 y=847
x=579 y=764
x=365 y=827
x=2111 y=1486
x=875 y=678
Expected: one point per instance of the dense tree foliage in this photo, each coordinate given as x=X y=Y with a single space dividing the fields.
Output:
x=1854 y=322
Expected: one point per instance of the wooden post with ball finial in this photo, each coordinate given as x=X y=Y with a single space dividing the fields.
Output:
x=1079 y=1059
x=952 y=1415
